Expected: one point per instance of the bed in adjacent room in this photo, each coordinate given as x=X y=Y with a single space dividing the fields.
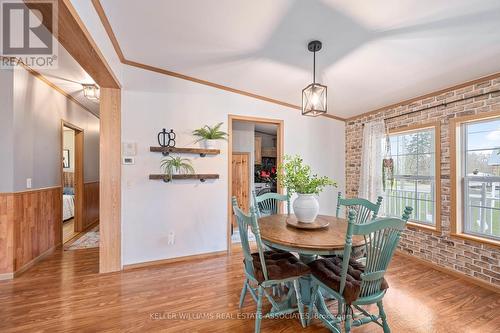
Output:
x=68 y=196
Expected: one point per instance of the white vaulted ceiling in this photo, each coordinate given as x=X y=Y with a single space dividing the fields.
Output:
x=375 y=53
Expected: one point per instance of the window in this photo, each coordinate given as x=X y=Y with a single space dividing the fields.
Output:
x=415 y=154
x=480 y=178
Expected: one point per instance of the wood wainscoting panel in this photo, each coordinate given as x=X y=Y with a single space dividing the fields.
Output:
x=37 y=224
x=90 y=203
x=6 y=233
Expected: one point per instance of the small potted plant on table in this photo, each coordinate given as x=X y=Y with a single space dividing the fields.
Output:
x=209 y=135
x=297 y=177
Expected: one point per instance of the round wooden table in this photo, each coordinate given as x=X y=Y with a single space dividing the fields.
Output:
x=330 y=240
x=275 y=233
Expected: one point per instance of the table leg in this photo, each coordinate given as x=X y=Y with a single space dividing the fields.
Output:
x=305 y=282
x=306 y=289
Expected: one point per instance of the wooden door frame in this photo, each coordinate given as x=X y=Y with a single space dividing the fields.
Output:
x=279 y=158
x=76 y=39
x=78 y=173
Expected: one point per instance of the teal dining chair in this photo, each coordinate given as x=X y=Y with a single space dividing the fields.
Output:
x=268 y=203
x=365 y=209
x=268 y=269
x=353 y=284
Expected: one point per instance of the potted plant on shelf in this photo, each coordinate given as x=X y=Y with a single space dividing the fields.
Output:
x=209 y=135
x=175 y=166
x=297 y=177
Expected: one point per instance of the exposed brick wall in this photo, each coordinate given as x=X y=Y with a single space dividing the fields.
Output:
x=468 y=257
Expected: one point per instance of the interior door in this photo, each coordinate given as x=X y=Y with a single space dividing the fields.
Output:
x=241 y=182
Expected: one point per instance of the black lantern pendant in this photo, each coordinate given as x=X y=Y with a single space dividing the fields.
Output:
x=314 y=102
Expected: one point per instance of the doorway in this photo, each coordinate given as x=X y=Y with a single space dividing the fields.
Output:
x=255 y=151
x=75 y=39
x=72 y=181
x=241 y=171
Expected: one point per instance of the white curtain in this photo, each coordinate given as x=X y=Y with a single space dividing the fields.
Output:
x=372 y=153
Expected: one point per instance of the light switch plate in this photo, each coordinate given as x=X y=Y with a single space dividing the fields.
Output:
x=129 y=148
x=28 y=183
x=171 y=238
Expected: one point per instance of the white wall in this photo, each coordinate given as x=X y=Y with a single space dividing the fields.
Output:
x=6 y=130
x=197 y=212
x=38 y=110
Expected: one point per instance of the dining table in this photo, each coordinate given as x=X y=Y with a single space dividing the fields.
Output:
x=276 y=233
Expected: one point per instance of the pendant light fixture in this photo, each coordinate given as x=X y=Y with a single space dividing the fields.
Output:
x=314 y=101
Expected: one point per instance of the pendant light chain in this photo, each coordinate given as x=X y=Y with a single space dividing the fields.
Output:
x=314 y=66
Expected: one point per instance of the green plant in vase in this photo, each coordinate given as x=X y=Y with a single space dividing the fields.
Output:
x=297 y=177
x=209 y=135
x=176 y=165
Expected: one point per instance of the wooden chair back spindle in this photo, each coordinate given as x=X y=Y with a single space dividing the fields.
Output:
x=244 y=223
x=365 y=209
x=382 y=236
x=268 y=203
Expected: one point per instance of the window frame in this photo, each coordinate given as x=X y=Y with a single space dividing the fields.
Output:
x=456 y=193
x=436 y=127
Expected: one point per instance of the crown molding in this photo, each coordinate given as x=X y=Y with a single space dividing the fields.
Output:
x=76 y=39
x=207 y=83
x=42 y=78
x=116 y=45
x=107 y=26
x=431 y=94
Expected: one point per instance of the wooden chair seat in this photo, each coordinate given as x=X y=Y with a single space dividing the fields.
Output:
x=329 y=271
x=351 y=283
x=280 y=265
x=268 y=269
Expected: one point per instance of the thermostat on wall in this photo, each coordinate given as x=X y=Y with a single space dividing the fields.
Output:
x=128 y=160
x=129 y=148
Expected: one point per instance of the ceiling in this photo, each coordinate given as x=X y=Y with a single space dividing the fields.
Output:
x=266 y=128
x=375 y=53
x=69 y=76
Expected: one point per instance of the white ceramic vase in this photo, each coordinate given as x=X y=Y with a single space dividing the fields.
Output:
x=306 y=207
x=210 y=144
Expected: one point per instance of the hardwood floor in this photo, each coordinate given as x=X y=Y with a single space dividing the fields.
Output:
x=64 y=293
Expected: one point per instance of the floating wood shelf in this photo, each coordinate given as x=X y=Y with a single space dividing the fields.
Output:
x=201 y=177
x=167 y=150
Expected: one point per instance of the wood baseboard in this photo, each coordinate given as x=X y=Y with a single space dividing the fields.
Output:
x=450 y=271
x=91 y=225
x=35 y=261
x=177 y=259
x=6 y=276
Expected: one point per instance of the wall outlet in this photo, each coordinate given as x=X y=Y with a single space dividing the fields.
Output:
x=171 y=238
x=28 y=182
